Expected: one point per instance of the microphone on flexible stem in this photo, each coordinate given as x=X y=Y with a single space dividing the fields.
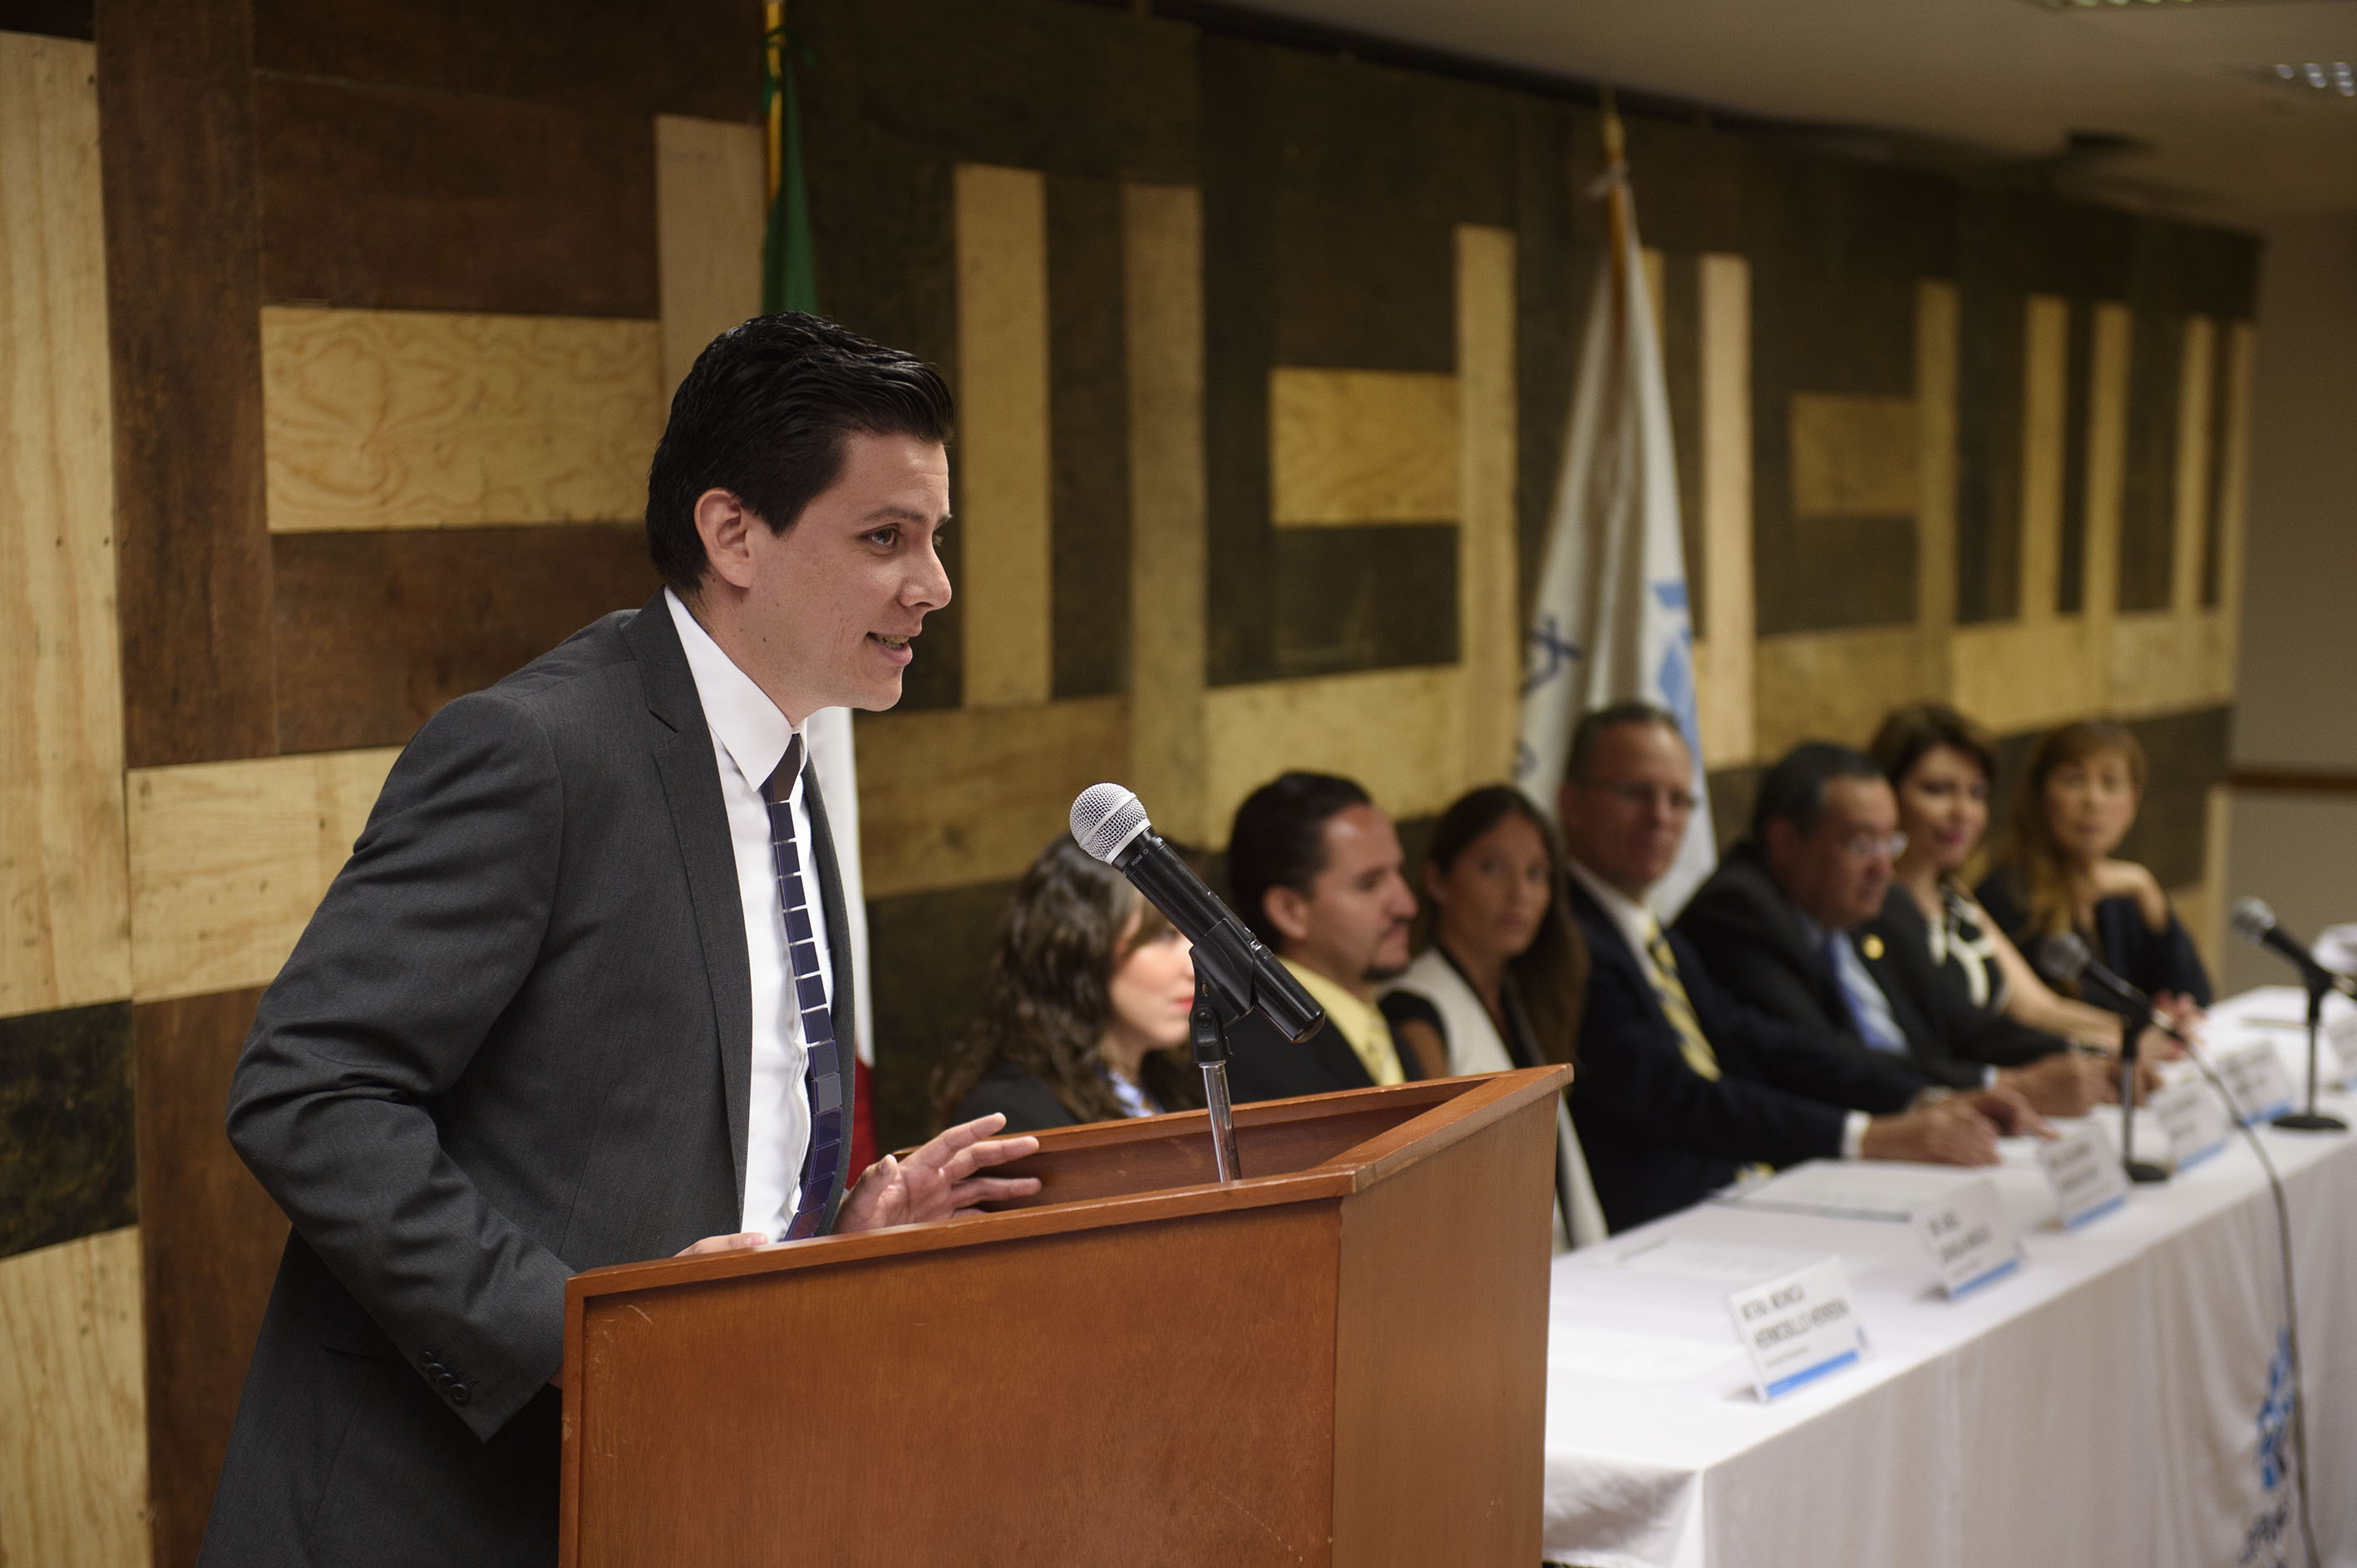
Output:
x=1235 y=974
x=2251 y=920
x=2063 y=957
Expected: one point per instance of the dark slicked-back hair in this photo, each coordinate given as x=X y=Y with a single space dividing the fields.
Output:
x=1278 y=840
x=1589 y=732
x=764 y=415
x=1794 y=789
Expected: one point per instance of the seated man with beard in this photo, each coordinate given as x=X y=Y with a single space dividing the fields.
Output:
x=1314 y=869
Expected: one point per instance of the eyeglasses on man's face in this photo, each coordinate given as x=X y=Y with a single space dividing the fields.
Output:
x=1665 y=797
x=1862 y=847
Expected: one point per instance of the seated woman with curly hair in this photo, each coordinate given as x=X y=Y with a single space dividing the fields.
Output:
x=1084 y=1016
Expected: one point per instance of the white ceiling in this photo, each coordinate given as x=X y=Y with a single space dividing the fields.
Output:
x=2003 y=81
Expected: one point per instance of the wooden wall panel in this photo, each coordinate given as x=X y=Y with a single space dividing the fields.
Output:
x=419 y=419
x=1488 y=615
x=2044 y=423
x=957 y=796
x=385 y=197
x=2190 y=494
x=64 y=913
x=66 y=1163
x=1834 y=685
x=211 y=1242
x=1162 y=299
x=1936 y=376
x=1352 y=447
x=1003 y=469
x=710 y=201
x=1854 y=455
x=377 y=630
x=1350 y=725
x=1088 y=440
x=184 y=292
x=700 y=60
x=73 y=1480
x=1723 y=667
x=229 y=860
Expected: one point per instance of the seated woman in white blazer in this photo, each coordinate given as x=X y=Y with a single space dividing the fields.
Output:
x=1498 y=982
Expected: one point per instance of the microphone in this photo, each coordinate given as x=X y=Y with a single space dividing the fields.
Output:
x=2255 y=923
x=1111 y=826
x=2064 y=956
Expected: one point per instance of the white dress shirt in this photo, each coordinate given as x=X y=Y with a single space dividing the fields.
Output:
x=1637 y=927
x=749 y=740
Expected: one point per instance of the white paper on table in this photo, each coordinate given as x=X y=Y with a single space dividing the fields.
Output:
x=1720 y=1263
x=1851 y=1189
x=1632 y=1358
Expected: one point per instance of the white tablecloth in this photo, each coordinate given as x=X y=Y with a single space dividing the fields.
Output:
x=2119 y=1400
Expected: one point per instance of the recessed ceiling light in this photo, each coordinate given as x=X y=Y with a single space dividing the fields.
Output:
x=2326 y=75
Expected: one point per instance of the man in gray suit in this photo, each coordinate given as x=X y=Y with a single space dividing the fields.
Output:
x=575 y=999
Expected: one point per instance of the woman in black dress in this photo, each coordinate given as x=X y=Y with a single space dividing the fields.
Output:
x=1087 y=1001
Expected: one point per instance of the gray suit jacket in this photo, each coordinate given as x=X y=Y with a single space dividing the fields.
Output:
x=514 y=1042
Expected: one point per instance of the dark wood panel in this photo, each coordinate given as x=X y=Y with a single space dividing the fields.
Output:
x=1992 y=323
x=2294 y=781
x=1088 y=443
x=52 y=18
x=937 y=947
x=183 y=288
x=67 y=1167
x=702 y=58
x=393 y=198
x=1375 y=596
x=2148 y=488
x=209 y=1242
x=2079 y=383
x=376 y=632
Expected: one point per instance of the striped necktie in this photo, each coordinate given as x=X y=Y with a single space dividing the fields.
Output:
x=823 y=1070
x=1676 y=1006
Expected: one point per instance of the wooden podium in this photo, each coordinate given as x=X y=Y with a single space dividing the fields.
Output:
x=1340 y=1358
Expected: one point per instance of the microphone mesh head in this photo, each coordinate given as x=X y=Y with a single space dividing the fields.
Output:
x=1105 y=818
x=2251 y=920
x=2062 y=955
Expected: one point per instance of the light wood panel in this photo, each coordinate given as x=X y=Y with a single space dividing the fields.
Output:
x=2164 y=660
x=1162 y=302
x=950 y=797
x=1834 y=685
x=229 y=860
x=1488 y=615
x=429 y=419
x=1854 y=455
x=64 y=900
x=1354 y=446
x=1003 y=463
x=1723 y=661
x=709 y=213
x=1354 y=725
x=73 y=1456
x=1936 y=327
x=2024 y=675
x=2196 y=376
x=2044 y=419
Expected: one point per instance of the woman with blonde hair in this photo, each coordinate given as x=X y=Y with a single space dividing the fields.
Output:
x=2075 y=804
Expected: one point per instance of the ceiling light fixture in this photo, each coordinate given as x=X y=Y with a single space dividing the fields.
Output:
x=2334 y=76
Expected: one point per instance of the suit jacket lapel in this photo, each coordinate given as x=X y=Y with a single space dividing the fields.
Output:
x=691 y=781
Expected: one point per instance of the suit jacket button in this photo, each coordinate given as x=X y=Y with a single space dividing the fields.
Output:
x=458 y=1395
x=426 y=1361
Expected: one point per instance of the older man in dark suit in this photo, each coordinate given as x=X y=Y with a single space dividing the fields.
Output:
x=1680 y=1085
x=576 y=998
x=1781 y=923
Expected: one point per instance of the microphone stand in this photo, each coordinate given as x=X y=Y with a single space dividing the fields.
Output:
x=1207 y=1031
x=2136 y=1170
x=2311 y=1120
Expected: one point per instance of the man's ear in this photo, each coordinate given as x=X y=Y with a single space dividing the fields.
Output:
x=1288 y=911
x=725 y=525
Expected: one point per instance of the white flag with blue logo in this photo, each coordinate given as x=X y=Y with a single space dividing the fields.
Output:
x=1610 y=621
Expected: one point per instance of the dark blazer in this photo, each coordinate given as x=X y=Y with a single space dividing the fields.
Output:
x=1028 y=1103
x=1265 y=1065
x=2150 y=961
x=1750 y=935
x=1658 y=1135
x=514 y=1042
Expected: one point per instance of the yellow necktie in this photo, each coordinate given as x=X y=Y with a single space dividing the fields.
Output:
x=1672 y=994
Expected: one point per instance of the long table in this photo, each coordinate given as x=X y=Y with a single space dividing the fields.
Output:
x=2119 y=1400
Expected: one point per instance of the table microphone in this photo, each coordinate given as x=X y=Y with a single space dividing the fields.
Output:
x=1234 y=974
x=2064 y=956
x=2251 y=920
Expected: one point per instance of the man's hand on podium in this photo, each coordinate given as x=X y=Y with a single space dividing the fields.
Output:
x=938 y=1181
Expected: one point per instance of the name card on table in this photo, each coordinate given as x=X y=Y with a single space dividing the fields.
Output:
x=1970 y=1237
x=2255 y=1076
x=2336 y=1052
x=2084 y=1169
x=2194 y=1119
x=1798 y=1327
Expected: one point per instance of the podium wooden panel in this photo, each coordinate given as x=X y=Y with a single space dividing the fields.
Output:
x=1338 y=1359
